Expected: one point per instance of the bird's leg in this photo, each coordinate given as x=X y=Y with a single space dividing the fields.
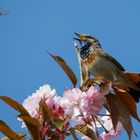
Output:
x=96 y=81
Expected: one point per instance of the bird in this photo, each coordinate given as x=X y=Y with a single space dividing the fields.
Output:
x=100 y=63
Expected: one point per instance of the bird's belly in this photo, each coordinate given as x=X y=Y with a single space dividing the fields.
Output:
x=106 y=69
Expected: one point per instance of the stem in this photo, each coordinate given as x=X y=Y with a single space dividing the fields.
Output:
x=101 y=125
x=95 y=125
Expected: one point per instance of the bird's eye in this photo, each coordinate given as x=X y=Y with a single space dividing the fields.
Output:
x=88 y=36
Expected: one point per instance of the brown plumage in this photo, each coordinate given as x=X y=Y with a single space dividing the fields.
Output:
x=100 y=63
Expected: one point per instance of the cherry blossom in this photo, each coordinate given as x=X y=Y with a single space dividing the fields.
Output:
x=79 y=107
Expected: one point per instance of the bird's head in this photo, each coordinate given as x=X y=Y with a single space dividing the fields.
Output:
x=85 y=39
x=88 y=43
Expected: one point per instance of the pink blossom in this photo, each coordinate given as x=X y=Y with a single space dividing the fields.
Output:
x=107 y=122
x=93 y=102
x=72 y=102
x=104 y=136
x=118 y=130
x=111 y=134
x=32 y=102
x=98 y=137
x=58 y=111
x=86 y=138
x=79 y=105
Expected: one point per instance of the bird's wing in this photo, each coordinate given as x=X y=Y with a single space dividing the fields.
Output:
x=110 y=58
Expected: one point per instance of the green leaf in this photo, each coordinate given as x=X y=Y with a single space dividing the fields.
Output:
x=72 y=132
x=66 y=68
x=5 y=138
x=6 y=130
x=58 y=123
x=85 y=130
x=45 y=111
x=22 y=136
x=32 y=125
x=15 y=105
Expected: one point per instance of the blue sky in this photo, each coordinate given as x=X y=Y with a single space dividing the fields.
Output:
x=34 y=26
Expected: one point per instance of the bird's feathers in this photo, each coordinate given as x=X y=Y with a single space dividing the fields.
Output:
x=135 y=77
x=111 y=59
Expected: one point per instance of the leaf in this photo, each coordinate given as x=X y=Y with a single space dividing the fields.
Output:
x=85 y=130
x=128 y=101
x=6 y=130
x=22 y=136
x=29 y=120
x=5 y=138
x=66 y=68
x=58 y=123
x=15 y=105
x=112 y=109
x=45 y=111
x=119 y=112
x=72 y=132
x=32 y=125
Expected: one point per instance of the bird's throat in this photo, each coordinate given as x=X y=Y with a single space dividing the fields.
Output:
x=85 y=51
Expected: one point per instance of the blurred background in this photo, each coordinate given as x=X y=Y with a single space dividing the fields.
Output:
x=34 y=26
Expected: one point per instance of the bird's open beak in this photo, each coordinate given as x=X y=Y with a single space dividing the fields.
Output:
x=77 y=34
x=79 y=37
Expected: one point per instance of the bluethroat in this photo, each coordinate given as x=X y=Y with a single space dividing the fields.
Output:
x=100 y=63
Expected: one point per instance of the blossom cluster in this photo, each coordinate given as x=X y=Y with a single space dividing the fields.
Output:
x=77 y=107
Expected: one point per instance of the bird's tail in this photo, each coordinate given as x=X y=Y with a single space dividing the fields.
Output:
x=135 y=93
